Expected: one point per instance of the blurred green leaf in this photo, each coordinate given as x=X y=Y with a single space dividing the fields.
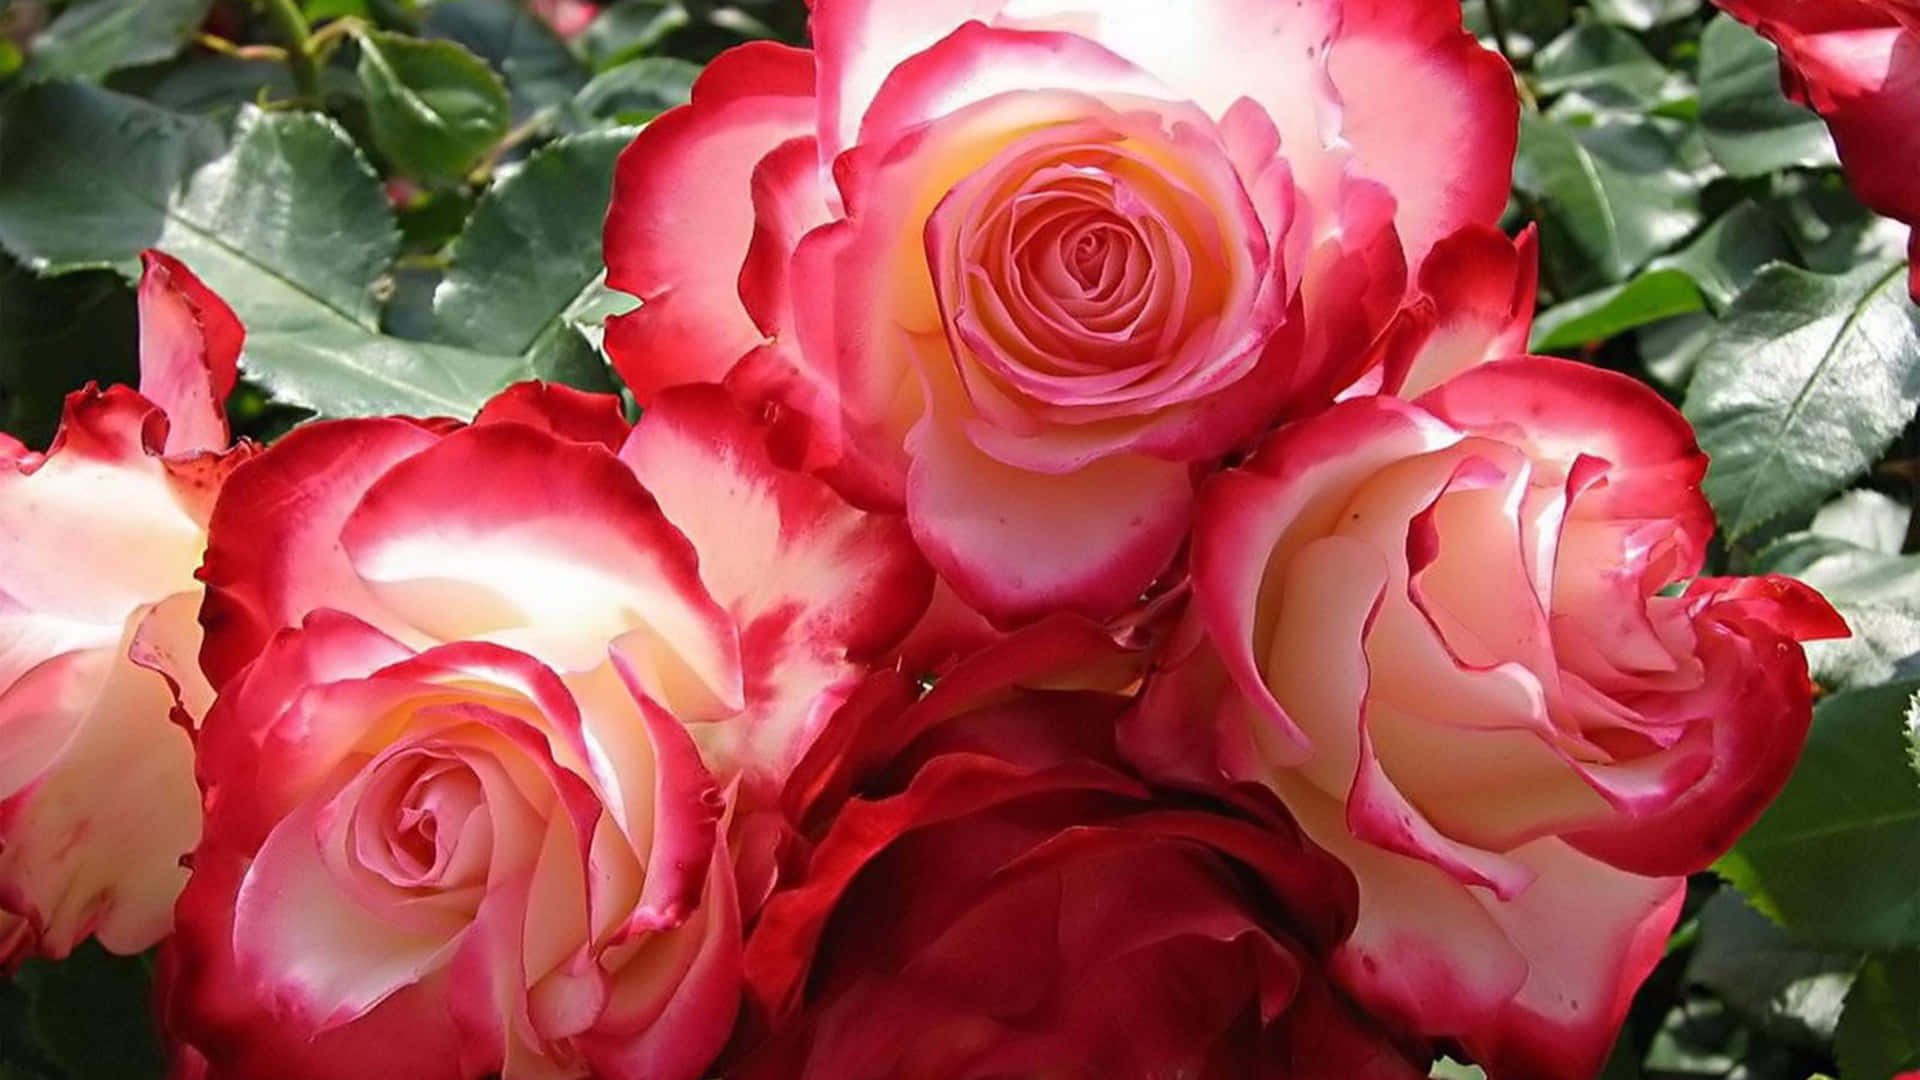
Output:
x=1643 y=14
x=540 y=71
x=1750 y=126
x=436 y=108
x=1788 y=990
x=91 y=1014
x=1806 y=382
x=518 y=279
x=85 y=175
x=1827 y=859
x=93 y=38
x=638 y=90
x=1880 y=1031
x=1592 y=55
x=56 y=334
x=1612 y=196
x=630 y=29
x=1660 y=292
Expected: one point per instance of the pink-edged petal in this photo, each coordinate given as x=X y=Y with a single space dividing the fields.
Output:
x=1440 y=134
x=560 y=411
x=1290 y=493
x=273 y=549
x=100 y=498
x=189 y=353
x=1559 y=411
x=1482 y=288
x=97 y=802
x=319 y=958
x=672 y=1002
x=976 y=62
x=1214 y=55
x=682 y=218
x=1566 y=1017
x=503 y=533
x=222 y=1027
x=1018 y=545
x=657 y=790
x=1425 y=954
x=269 y=739
x=815 y=585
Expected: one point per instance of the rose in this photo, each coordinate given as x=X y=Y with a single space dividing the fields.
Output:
x=98 y=688
x=1069 y=252
x=453 y=863
x=1857 y=63
x=748 y=599
x=1447 y=634
x=1002 y=898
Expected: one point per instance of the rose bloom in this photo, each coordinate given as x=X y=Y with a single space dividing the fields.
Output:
x=526 y=690
x=1464 y=641
x=98 y=686
x=1856 y=63
x=1003 y=898
x=1020 y=267
x=450 y=864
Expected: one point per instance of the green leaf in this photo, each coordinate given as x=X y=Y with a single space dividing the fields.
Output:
x=1611 y=196
x=1880 y=1032
x=519 y=278
x=94 y=38
x=1643 y=14
x=1749 y=125
x=85 y=175
x=1864 y=576
x=91 y=1014
x=541 y=72
x=639 y=90
x=1790 y=991
x=56 y=334
x=1656 y=294
x=436 y=108
x=1592 y=55
x=1827 y=860
x=1708 y=272
x=1805 y=383
x=290 y=225
x=630 y=29
x=1913 y=733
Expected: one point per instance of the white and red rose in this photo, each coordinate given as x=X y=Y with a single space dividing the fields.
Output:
x=1464 y=640
x=99 y=540
x=1020 y=267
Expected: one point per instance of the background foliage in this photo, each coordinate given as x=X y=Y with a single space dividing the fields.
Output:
x=402 y=200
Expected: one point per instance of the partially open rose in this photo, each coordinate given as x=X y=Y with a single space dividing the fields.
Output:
x=1003 y=898
x=1464 y=641
x=449 y=865
x=99 y=541
x=746 y=597
x=1020 y=266
x=1856 y=63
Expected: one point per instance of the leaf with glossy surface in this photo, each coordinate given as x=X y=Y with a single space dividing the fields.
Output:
x=1807 y=380
x=1821 y=861
x=1612 y=196
x=95 y=38
x=289 y=225
x=541 y=72
x=436 y=108
x=85 y=175
x=639 y=90
x=529 y=261
x=1749 y=125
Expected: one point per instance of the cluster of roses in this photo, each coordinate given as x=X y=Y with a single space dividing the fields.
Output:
x=1094 y=590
